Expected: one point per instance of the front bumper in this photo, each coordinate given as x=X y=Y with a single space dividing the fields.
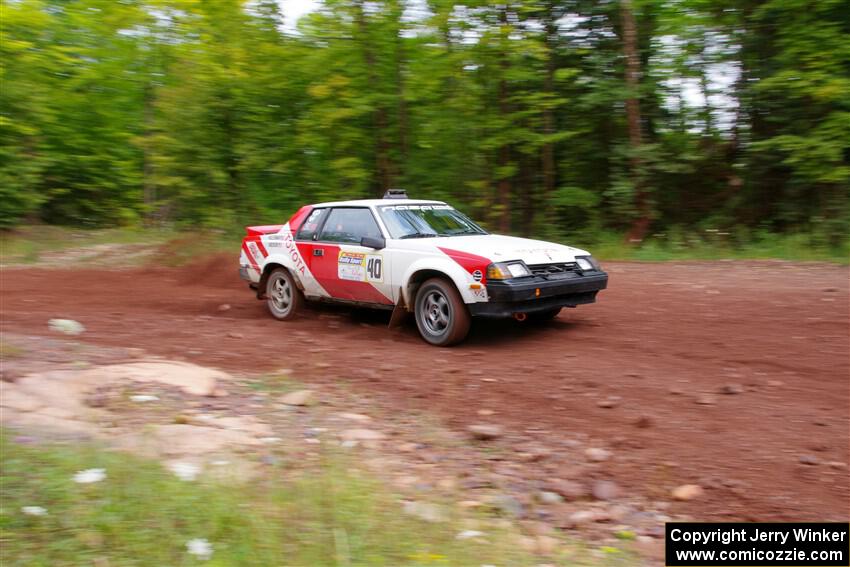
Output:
x=540 y=293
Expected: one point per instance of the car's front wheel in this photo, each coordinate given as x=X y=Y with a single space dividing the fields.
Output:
x=283 y=298
x=441 y=315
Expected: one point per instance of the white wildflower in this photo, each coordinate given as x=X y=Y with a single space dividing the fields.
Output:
x=469 y=534
x=141 y=398
x=89 y=476
x=200 y=548
x=184 y=471
x=34 y=511
x=67 y=326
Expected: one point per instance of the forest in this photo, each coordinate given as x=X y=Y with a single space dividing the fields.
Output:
x=547 y=118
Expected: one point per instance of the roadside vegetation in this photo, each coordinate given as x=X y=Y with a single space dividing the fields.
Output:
x=34 y=244
x=532 y=116
x=59 y=509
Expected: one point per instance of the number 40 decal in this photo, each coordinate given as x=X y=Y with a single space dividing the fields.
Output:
x=374 y=268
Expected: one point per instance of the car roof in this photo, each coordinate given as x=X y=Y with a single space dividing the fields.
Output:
x=377 y=202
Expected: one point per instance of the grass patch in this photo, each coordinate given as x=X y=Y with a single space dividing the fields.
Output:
x=26 y=245
x=712 y=245
x=143 y=515
x=8 y=350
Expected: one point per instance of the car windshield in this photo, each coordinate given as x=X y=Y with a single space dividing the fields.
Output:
x=424 y=221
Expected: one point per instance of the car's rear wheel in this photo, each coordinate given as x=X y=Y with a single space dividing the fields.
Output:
x=441 y=315
x=283 y=297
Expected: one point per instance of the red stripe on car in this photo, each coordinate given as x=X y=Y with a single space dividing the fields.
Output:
x=469 y=262
x=262 y=248
x=325 y=269
x=298 y=218
x=250 y=256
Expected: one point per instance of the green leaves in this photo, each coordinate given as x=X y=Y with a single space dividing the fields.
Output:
x=207 y=113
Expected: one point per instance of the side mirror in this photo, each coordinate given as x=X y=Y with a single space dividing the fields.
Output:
x=376 y=242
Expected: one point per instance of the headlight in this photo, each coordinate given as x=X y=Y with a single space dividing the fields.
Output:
x=588 y=263
x=507 y=270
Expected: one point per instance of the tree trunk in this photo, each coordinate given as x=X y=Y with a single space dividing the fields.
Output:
x=383 y=162
x=548 y=150
x=148 y=186
x=640 y=225
x=504 y=195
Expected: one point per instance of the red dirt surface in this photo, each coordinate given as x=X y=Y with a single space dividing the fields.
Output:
x=660 y=338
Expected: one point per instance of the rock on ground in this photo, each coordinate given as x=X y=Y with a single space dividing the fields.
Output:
x=485 y=432
x=297 y=398
x=687 y=492
x=597 y=455
x=605 y=490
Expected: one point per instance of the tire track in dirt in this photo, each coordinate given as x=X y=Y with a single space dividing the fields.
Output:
x=661 y=337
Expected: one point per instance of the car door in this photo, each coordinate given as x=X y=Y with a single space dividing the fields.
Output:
x=344 y=268
x=307 y=234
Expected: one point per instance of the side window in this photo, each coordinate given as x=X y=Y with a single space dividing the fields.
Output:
x=311 y=225
x=349 y=225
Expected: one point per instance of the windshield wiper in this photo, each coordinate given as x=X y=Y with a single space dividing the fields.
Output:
x=419 y=235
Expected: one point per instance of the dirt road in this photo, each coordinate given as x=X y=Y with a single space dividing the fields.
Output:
x=661 y=347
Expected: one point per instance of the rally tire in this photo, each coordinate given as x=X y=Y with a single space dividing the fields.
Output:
x=441 y=316
x=283 y=298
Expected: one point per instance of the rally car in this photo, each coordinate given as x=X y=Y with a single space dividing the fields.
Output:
x=412 y=255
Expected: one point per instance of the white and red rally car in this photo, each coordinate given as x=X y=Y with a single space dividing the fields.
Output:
x=413 y=255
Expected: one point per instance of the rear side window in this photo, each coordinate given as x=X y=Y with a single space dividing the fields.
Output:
x=349 y=225
x=311 y=225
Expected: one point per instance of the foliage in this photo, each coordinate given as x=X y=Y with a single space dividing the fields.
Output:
x=213 y=114
x=141 y=514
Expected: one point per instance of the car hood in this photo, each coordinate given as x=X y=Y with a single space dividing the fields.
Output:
x=500 y=248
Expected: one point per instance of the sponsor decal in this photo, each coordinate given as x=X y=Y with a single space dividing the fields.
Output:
x=360 y=267
x=477 y=275
x=297 y=261
x=255 y=251
x=419 y=208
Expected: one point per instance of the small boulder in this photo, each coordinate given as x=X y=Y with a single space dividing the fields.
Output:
x=547 y=497
x=66 y=326
x=596 y=454
x=605 y=490
x=508 y=505
x=568 y=489
x=297 y=398
x=581 y=517
x=485 y=432
x=732 y=389
x=687 y=492
x=359 y=417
